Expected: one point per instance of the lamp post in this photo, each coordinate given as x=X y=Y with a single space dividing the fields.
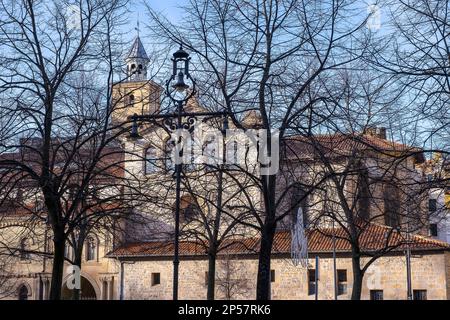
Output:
x=179 y=93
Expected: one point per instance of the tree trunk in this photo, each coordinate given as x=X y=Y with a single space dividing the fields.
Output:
x=77 y=262
x=212 y=255
x=357 y=278
x=58 y=267
x=263 y=281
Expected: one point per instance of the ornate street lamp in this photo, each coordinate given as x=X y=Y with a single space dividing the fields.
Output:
x=180 y=95
x=180 y=87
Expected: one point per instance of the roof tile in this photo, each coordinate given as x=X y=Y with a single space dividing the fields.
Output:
x=373 y=238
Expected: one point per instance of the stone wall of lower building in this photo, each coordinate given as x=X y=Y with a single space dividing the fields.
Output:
x=236 y=278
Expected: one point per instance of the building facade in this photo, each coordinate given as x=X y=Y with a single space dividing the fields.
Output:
x=137 y=262
x=148 y=271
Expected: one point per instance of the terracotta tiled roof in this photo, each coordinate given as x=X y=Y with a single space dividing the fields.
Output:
x=109 y=166
x=372 y=238
x=340 y=144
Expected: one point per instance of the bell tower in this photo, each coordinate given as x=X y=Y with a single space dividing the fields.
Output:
x=135 y=93
x=137 y=61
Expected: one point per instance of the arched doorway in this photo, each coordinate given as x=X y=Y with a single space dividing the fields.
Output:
x=87 y=291
x=23 y=292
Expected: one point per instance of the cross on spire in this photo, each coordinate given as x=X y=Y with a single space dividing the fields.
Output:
x=137 y=25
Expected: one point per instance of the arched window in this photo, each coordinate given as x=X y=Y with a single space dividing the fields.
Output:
x=23 y=292
x=151 y=160
x=232 y=153
x=210 y=152
x=19 y=195
x=189 y=154
x=73 y=191
x=68 y=251
x=299 y=199
x=363 y=195
x=168 y=155
x=189 y=209
x=24 y=249
x=391 y=205
x=91 y=249
x=130 y=99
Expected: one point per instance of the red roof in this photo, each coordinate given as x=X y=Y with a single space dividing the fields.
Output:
x=373 y=238
x=340 y=144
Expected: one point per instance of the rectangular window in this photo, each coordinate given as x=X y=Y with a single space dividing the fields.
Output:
x=206 y=278
x=156 y=278
x=311 y=282
x=342 y=281
x=420 y=294
x=376 y=294
x=432 y=205
x=272 y=275
x=433 y=230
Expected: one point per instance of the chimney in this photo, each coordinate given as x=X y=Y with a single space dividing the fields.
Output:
x=381 y=132
x=378 y=132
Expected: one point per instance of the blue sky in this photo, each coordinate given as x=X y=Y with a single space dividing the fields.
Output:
x=138 y=9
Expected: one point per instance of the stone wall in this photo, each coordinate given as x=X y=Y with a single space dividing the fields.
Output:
x=35 y=273
x=429 y=272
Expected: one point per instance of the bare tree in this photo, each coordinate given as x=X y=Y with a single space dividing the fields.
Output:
x=267 y=56
x=373 y=186
x=46 y=48
x=231 y=281
x=416 y=51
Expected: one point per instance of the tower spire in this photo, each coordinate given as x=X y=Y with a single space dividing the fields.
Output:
x=137 y=59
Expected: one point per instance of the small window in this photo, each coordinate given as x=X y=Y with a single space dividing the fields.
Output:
x=91 y=249
x=376 y=294
x=432 y=205
x=420 y=294
x=206 y=278
x=24 y=249
x=151 y=160
x=130 y=99
x=311 y=282
x=156 y=278
x=272 y=275
x=342 y=281
x=189 y=209
x=433 y=230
